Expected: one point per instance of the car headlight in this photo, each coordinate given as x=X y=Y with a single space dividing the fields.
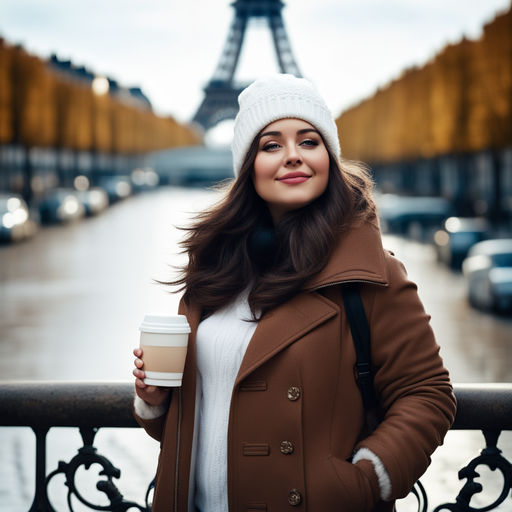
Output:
x=13 y=203
x=8 y=220
x=69 y=207
x=14 y=218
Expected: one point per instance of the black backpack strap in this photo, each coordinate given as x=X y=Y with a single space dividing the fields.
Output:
x=361 y=335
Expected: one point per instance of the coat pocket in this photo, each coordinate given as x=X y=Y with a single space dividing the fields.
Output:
x=355 y=487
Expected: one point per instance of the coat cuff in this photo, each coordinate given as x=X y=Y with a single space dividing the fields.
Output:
x=147 y=411
x=380 y=471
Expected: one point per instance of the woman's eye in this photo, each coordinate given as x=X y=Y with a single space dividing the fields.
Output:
x=270 y=146
x=309 y=142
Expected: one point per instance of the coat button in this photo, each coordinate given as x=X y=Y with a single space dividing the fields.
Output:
x=293 y=393
x=286 y=447
x=294 y=497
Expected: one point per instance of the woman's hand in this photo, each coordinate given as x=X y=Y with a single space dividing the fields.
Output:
x=153 y=395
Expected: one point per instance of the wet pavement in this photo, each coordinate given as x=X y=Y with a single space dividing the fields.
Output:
x=73 y=296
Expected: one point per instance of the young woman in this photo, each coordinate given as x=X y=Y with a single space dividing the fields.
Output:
x=270 y=415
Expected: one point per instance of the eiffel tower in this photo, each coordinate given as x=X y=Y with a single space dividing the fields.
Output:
x=221 y=93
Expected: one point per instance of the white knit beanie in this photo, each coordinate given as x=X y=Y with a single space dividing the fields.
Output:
x=277 y=97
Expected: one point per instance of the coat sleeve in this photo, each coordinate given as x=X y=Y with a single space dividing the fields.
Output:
x=411 y=381
x=151 y=418
x=154 y=427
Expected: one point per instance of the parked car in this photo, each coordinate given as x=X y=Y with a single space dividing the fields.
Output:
x=117 y=187
x=15 y=221
x=94 y=200
x=488 y=271
x=61 y=205
x=416 y=217
x=458 y=234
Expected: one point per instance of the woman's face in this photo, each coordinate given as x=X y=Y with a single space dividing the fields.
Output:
x=291 y=167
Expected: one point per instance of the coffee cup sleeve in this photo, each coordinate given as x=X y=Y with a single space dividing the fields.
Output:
x=147 y=411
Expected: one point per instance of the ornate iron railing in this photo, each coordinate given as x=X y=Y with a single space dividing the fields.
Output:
x=91 y=406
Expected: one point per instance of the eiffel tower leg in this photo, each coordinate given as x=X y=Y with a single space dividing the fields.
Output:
x=282 y=46
x=229 y=59
x=220 y=103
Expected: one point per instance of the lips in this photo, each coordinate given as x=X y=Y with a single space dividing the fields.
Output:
x=293 y=178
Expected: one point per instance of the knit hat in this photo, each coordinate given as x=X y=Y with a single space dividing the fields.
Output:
x=277 y=97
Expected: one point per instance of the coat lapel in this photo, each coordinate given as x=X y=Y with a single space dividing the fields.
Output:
x=282 y=326
x=358 y=256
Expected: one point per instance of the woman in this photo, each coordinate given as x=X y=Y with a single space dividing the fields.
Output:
x=270 y=416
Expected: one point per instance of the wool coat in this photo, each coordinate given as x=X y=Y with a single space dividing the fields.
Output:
x=296 y=415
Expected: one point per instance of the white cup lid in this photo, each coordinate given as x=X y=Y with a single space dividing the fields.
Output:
x=165 y=324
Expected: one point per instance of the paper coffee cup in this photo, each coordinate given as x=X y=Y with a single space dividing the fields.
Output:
x=163 y=340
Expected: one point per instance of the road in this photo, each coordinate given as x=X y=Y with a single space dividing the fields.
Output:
x=73 y=296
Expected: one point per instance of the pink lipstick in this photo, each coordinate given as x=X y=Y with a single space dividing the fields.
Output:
x=294 y=178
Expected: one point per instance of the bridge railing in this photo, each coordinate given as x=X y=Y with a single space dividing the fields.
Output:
x=93 y=405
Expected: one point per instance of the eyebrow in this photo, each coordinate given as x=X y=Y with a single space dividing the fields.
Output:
x=300 y=132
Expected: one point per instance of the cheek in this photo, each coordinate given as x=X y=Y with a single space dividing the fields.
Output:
x=322 y=170
x=323 y=163
x=320 y=164
x=263 y=173
x=263 y=166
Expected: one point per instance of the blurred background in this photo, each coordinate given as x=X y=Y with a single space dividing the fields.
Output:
x=115 y=122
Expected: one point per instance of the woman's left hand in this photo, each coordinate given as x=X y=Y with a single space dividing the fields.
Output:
x=152 y=395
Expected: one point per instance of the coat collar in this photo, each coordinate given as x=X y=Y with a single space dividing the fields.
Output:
x=358 y=256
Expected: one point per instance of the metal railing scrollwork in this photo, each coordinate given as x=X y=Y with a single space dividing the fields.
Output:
x=86 y=457
x=491 y=457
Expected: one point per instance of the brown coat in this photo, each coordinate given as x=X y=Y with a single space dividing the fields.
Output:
x=296 y=392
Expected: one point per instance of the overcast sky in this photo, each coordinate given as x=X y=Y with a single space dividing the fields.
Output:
x=170 y=48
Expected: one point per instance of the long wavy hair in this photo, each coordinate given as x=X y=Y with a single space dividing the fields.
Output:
x=234 y=246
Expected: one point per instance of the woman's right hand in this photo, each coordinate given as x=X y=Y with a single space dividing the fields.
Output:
x=153 y=395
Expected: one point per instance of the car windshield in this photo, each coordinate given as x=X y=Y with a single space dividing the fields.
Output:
x=502 y=260
x=465 y=237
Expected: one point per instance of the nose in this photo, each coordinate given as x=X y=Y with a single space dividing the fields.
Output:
x=292 y=156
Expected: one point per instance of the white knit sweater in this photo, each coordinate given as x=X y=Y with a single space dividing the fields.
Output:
x=221 y=341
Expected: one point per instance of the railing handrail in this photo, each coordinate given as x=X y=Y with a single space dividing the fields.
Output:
x=109 y=404
x=66 y=404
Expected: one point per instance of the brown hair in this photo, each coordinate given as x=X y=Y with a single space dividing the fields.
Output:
x=222 y=245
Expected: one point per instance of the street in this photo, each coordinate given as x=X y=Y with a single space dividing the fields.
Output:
x=73 y=296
